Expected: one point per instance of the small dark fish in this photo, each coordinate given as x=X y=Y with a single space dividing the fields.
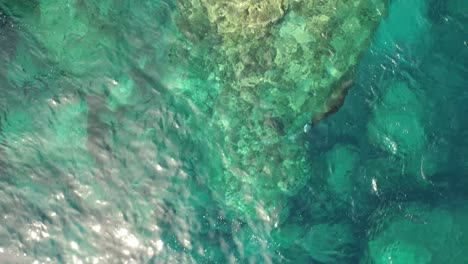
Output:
x=335 y=102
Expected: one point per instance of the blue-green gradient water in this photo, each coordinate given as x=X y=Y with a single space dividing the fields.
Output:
x=90 y=174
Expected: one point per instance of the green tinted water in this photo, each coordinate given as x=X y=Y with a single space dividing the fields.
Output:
x=104 y=160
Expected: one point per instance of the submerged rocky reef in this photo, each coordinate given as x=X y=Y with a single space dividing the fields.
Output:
x=277 y=66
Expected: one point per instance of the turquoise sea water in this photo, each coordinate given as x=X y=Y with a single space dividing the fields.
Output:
x=92 y=174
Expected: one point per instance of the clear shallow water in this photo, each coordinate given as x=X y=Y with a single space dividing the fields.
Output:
x=88 y=179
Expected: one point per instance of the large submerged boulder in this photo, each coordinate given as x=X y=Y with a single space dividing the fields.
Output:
x=417 y=233
x=397 y=122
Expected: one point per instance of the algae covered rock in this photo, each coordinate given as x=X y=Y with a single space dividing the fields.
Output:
x=418 y=233
x=277 y=64
x=397 y=122
x=330 y=243
x=397 y=126
x=393 y=176
x=341 y=164
x=336 y=182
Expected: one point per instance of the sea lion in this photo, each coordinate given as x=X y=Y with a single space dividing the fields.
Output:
x=335 y=102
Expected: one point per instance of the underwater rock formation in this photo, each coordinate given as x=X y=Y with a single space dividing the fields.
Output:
x=323 y=246
x=274 y=66
x=418 y=233
x=396 y=125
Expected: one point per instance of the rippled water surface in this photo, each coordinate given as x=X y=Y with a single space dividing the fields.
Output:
x=102 y=161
